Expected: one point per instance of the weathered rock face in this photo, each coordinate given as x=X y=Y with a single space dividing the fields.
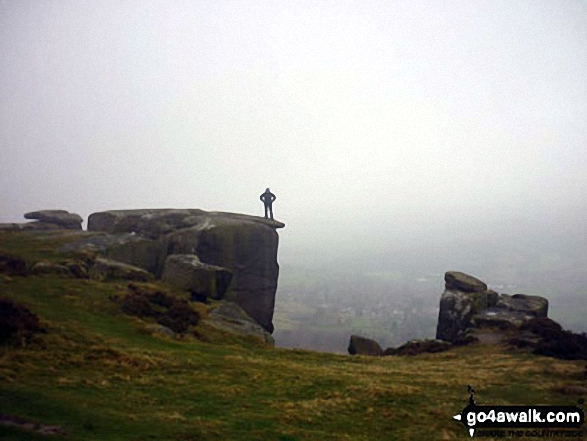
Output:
x=248 y=249
x=364 y=346
x=533 y=306
x=232 y=318
x=463 y=297
x=187 y=272
x=106 y=269
x=61 y=218
x=467 y=305
x=245 y=246
x=128 y=248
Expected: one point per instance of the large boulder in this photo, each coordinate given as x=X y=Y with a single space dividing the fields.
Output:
x=61 y=218
x=187 y=272
x=230 y=317
x=107 y=269
x=364 y=346
x=456 y=280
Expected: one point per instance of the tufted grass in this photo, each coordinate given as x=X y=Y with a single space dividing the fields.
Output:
x=98 y=374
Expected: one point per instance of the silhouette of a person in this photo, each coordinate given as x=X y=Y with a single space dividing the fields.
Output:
x=268 y=199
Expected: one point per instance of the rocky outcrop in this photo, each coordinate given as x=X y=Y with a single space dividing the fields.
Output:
x=60 y=218
x=467 y=306
x=364 y=346
x=46 y=220
x=187 y=272
x=244 y=246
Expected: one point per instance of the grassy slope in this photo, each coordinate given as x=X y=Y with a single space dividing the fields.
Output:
x=100 y=376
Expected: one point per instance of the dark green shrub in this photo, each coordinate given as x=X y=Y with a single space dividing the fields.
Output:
x=16 y=322
x=137 y=304
x=179 y=317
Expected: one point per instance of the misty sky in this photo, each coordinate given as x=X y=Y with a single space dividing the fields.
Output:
x=378 y=124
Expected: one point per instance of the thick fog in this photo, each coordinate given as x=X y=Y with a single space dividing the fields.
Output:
x=423 y=136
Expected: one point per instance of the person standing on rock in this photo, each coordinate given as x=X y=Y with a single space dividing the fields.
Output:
x=268 y=199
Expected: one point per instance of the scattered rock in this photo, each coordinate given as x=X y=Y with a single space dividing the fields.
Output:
x=187 y=272
x=230 y=317
x=17 y=323
x=107 y=269
x=30 y=426
x=61 y=218
x=45 y=267
x=364 y=346
x=415 y=347
x=456 y=280
x=160 y=329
